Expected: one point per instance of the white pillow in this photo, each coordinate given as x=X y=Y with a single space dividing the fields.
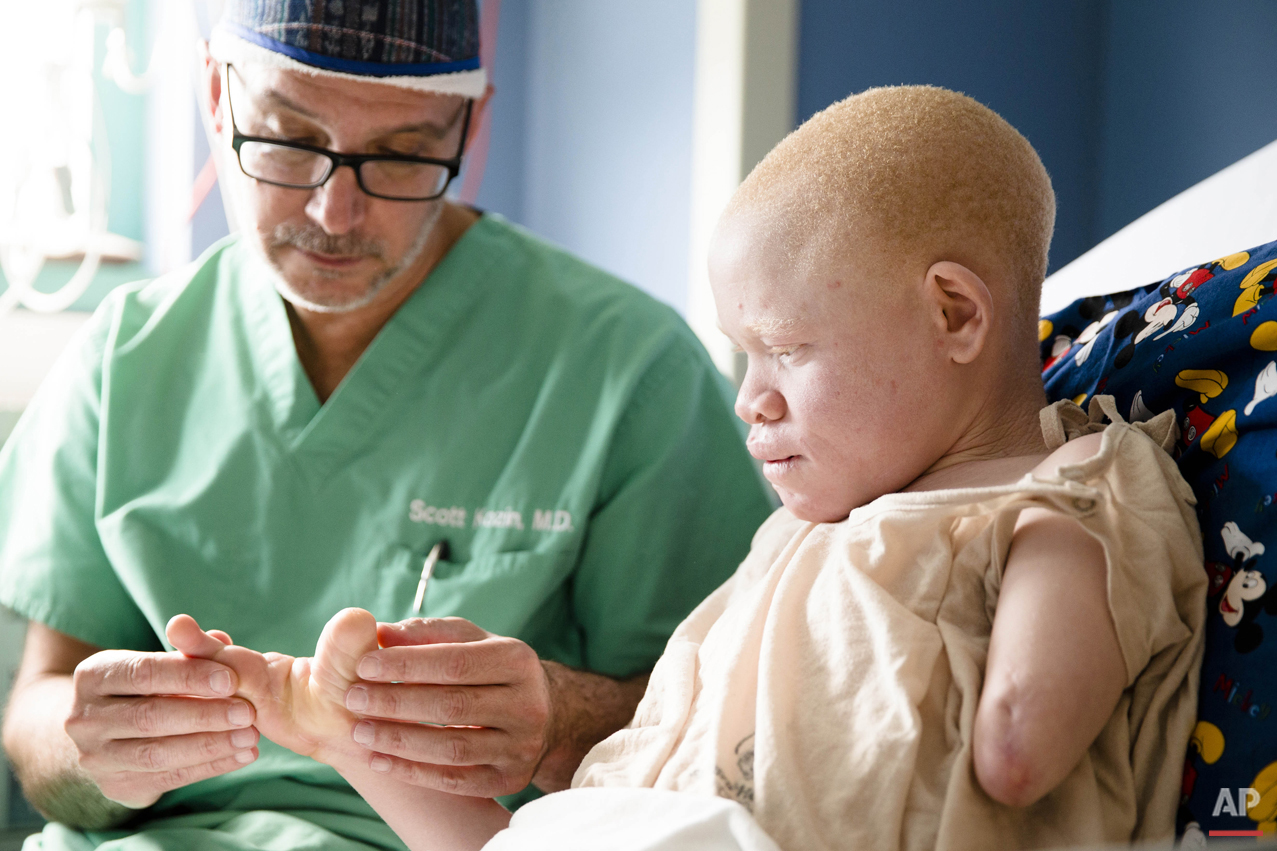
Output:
x=1233 y=209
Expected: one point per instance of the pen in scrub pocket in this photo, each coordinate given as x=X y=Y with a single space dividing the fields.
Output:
x=438 y=551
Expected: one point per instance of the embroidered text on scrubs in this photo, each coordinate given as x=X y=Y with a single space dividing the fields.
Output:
x=551 y=521
x=507 y=519
x=419 y=512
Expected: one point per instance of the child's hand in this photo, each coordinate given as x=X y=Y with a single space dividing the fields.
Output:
x=300 y=702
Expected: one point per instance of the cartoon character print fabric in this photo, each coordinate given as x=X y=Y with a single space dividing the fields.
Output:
x=1204 y=342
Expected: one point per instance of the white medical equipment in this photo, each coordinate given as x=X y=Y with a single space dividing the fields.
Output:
x=55 y=168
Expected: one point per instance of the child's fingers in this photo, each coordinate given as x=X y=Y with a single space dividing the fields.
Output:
x=250 y=667
x=186 y=637
x=416 y=631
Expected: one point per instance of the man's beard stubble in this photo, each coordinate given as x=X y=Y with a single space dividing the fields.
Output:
x=313 y=238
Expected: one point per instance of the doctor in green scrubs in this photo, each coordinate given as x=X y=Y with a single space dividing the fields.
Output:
x=289 y=425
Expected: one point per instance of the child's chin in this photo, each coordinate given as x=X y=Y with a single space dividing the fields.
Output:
x=812 y=510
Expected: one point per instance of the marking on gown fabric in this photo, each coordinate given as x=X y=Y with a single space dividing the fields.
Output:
x=742 y=790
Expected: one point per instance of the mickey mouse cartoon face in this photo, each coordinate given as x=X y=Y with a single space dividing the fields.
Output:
x=1164 y=317
x=1248 y=592
x=1245 y=586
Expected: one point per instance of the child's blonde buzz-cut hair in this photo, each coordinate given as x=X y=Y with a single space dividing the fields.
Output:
x=927 y=173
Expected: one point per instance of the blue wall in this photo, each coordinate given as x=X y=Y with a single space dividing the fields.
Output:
x=1128 y=101
x=1189 y=88
x=592 y=132
x=502 y=189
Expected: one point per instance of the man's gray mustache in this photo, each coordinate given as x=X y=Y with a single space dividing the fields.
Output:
x=316 y=240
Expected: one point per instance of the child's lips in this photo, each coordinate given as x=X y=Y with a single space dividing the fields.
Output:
x=775 y=467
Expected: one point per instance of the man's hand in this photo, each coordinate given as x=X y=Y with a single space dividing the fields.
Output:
x=146 y=723
x=450 y=706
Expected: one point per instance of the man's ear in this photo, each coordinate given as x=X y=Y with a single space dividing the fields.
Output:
x=963 y=309
x=482 y=103
x=210 y=88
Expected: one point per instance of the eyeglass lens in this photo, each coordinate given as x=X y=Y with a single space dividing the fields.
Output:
x=304 y=169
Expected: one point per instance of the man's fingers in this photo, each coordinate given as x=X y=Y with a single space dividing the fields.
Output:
x=223 y=637
x=126 y=672
x=171 y=752
x=131 y=788
x=435 y=745
x=153 y=717
x=415 y=631
x=186 y=637
x=479 y=706
x=481 y=781
x=493 y=661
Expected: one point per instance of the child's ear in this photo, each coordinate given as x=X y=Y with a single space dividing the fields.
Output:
x=963 y=308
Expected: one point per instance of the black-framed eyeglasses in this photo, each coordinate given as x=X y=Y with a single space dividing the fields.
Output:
x=393 y=177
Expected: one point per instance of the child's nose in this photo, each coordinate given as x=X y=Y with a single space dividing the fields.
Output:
x=756 y=407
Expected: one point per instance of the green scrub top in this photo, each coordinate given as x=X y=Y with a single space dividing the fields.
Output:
x=565 y=433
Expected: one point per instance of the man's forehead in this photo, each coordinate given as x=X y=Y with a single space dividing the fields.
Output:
x=327 y=100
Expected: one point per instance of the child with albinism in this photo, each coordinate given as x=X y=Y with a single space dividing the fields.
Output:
x=977 y=620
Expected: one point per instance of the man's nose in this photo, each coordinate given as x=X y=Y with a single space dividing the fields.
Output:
x=338 y=206
x=756 y=404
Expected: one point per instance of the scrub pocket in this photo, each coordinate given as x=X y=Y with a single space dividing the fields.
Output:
x=501 y=592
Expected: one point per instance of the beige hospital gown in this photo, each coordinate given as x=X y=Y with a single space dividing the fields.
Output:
x=831 y=684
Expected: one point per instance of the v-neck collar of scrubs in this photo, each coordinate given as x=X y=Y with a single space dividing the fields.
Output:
x=328 y=434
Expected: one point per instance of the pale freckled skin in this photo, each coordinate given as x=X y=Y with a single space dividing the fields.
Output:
x=829 y=405
x=921 y=374
x=851 y=392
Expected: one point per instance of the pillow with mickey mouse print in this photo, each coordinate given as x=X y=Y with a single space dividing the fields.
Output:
x=1204 y=342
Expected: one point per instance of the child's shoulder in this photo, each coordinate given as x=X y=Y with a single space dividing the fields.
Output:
x=1077 y=451
x=1135 y=454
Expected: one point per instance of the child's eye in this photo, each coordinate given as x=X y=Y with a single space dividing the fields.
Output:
x=783 y=352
